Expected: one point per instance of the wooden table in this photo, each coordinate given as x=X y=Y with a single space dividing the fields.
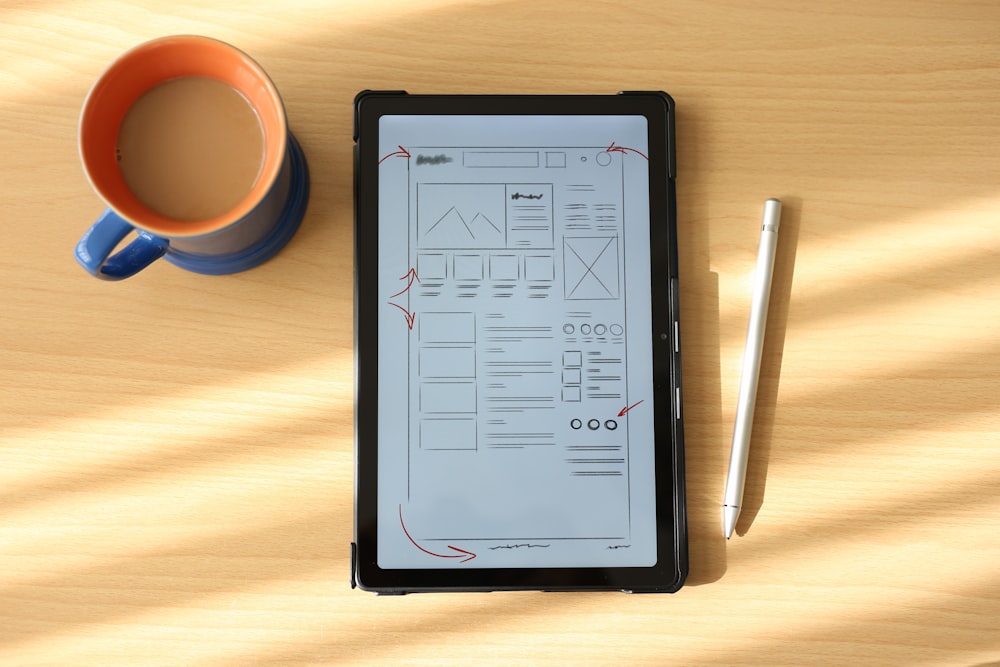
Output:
x=176 y=451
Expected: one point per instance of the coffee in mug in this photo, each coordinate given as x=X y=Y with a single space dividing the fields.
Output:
x=191 y=148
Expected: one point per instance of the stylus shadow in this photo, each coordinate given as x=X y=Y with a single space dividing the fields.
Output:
x=770 y=367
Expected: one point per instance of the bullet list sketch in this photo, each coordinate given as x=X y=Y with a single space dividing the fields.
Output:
x=520 y=390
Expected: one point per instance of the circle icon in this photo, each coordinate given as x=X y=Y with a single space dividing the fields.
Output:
x=611 y=425
x=604 y=158
x=568 y=328
x=575 y=424
x=594 y=424
x=617 y=329
x=600 y=329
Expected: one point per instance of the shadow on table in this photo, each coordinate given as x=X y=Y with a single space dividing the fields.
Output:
x=700 y=351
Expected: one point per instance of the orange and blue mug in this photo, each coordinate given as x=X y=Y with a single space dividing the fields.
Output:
x=245 y=236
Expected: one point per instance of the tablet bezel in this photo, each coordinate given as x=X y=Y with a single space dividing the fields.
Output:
x=668 y=574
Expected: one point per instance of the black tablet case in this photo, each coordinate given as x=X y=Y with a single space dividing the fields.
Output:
x=671 y=569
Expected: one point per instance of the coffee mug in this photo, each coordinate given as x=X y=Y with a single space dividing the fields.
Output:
x=186 y=141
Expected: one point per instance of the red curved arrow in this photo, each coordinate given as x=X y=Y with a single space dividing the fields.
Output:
x=626 y=409
x=402 y=152
x=462 y=553
x=410 y=317
x=412 y=275
x=621 y=149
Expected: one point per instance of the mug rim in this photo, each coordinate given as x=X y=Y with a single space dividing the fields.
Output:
x=101 y=169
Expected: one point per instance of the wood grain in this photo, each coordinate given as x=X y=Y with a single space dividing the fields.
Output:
x=176 y=464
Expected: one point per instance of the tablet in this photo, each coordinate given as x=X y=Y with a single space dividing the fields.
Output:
x=518 y=395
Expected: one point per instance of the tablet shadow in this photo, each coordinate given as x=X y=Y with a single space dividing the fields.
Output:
x=770 y=366
x=705 y=443
x=703 y=429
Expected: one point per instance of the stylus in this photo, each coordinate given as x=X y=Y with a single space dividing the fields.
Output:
x=737 y=477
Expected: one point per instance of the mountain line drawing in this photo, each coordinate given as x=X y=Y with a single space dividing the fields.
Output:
x=455 y=226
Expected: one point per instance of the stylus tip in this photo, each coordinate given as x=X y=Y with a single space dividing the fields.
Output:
x=729 y=516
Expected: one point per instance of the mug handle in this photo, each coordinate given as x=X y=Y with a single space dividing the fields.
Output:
x=93 y=252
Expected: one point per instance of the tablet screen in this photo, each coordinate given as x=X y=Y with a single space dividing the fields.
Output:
x=515 y=381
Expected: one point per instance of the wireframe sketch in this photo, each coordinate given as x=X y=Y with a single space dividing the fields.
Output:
x=517 y=386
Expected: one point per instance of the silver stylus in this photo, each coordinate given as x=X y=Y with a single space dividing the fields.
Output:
x=737 y=477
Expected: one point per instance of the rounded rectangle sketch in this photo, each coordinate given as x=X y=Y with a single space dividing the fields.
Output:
x=447 y=397
x=504 y=267
x=468 y=267
x=539 y=268
x=448 y=434
x=447 y=362
x=432 y=266
x=555 y=160
x=447 y=328
x=500 y=159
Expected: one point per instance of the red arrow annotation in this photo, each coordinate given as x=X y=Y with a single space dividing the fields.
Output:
x=621 y=149
x=410 y=317
x=462 y=553
x=626 y=409
x=411 y=275
x=402 y=152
